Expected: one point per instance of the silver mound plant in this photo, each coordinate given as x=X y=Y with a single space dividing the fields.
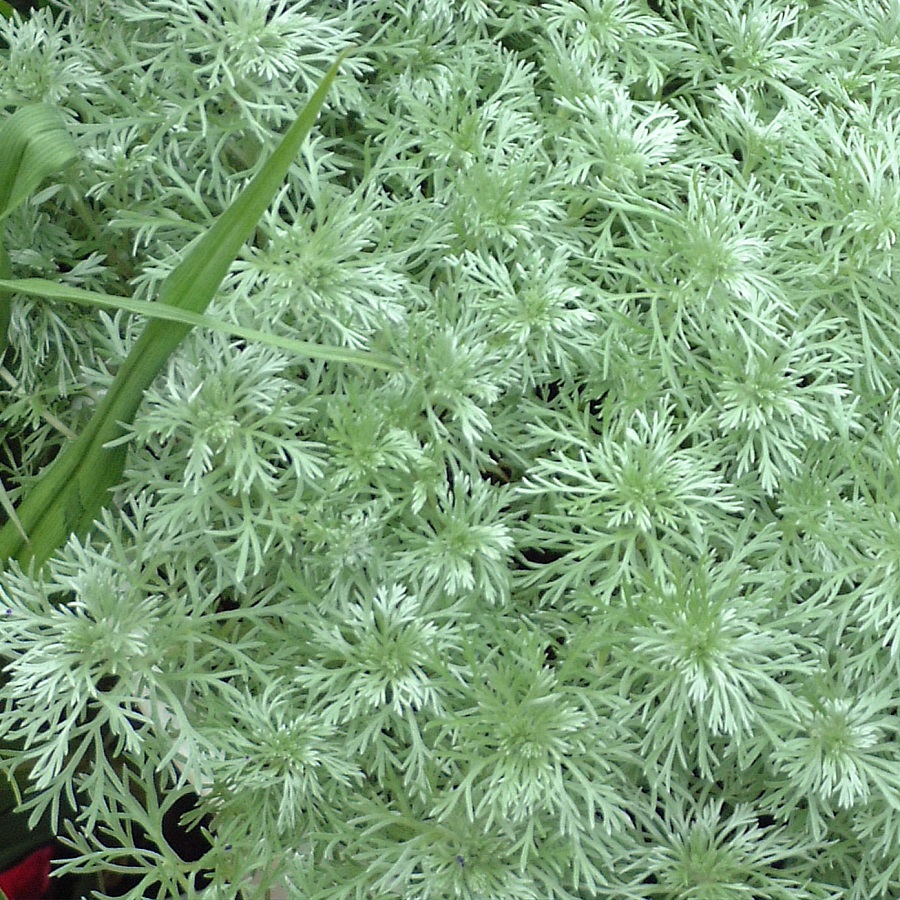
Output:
x=482 y=484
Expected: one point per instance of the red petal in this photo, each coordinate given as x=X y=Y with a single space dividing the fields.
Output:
x=30 y=879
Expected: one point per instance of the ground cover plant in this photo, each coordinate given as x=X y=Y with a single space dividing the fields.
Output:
x=571 y=569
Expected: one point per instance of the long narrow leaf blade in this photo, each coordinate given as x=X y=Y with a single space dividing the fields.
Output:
x=34 y=144
x=5 y=308
x=51 y=290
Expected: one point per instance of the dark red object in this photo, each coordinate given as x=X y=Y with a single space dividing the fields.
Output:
x=30 y=879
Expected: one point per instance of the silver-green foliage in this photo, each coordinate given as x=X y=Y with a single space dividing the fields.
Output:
x=595 y=595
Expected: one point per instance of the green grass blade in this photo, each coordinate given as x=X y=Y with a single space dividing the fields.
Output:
x=34 y=144
x=5 y=308
x=70 y=494
x=50 y=290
